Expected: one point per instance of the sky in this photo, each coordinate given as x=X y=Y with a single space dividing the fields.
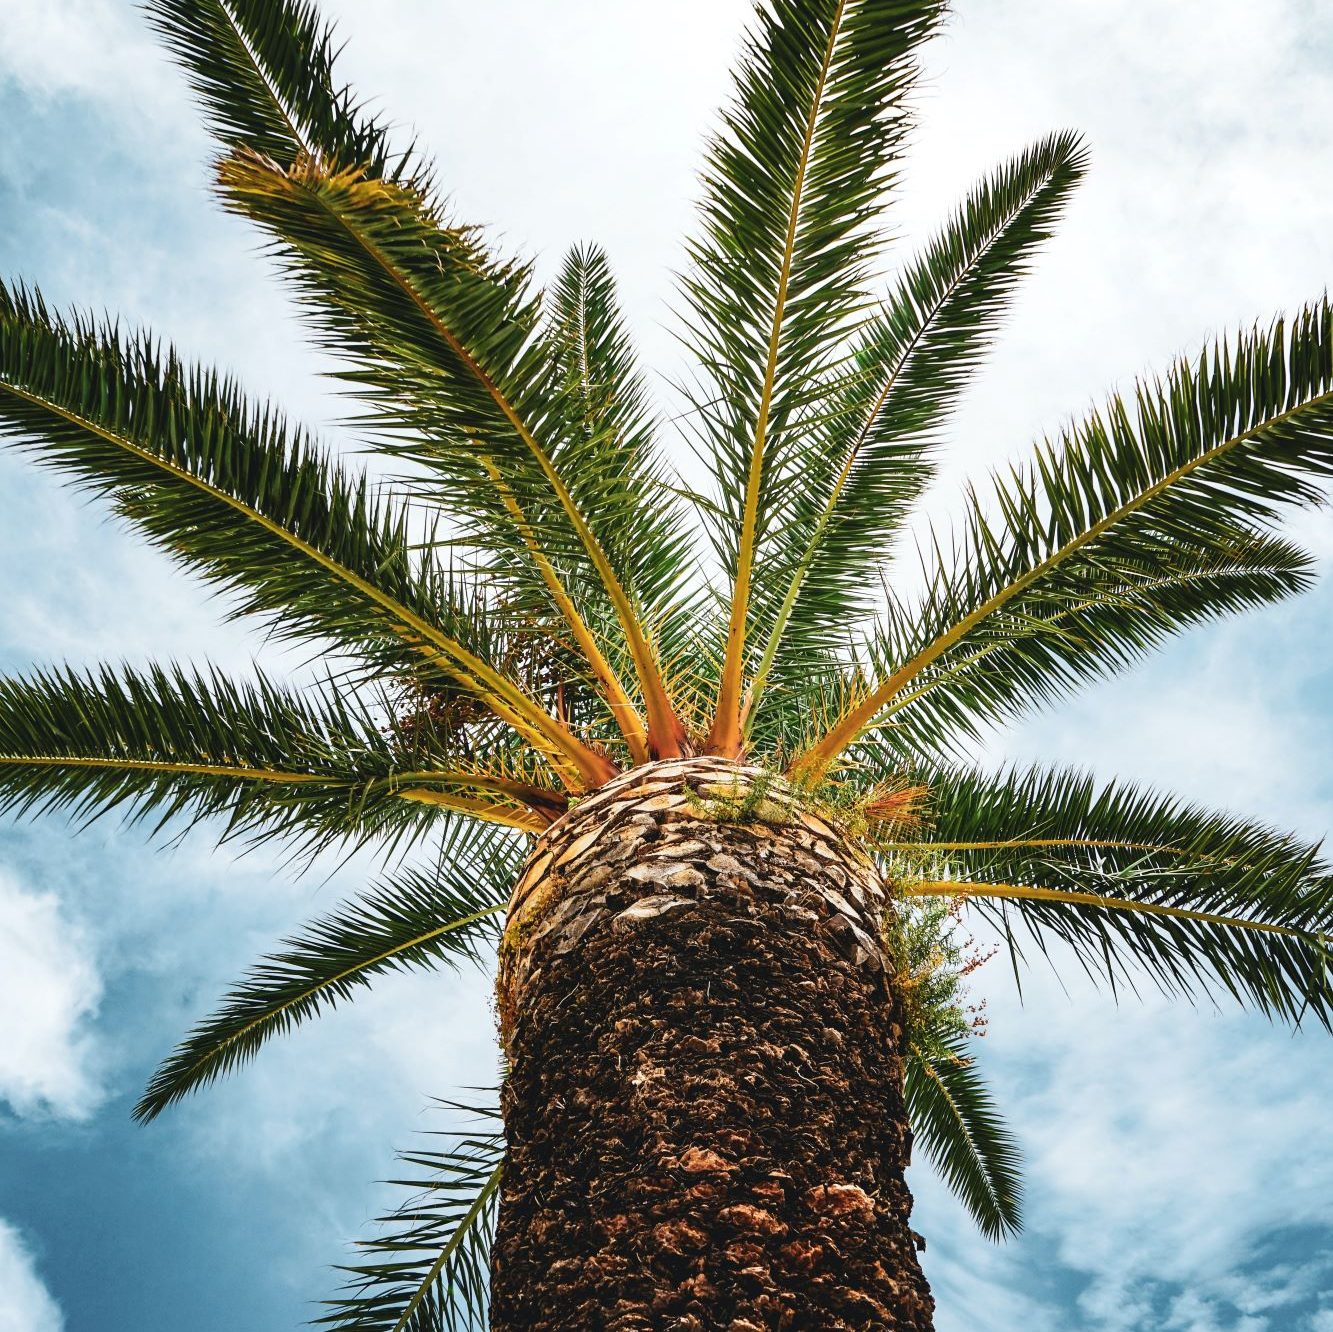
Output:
x=1178 y=1171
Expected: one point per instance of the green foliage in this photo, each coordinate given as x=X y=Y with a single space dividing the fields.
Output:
x=794 y=182
x=431 y=1271
x=1149 y=517
x=931 y=960
x=229 y=491
x=1200 y=902
x=955 y=1120
x=910 y=364
x=752 y=798
x=607 y=447
x=952 y=1114
x=440 y=336
x=445 y=342
x=440 y=333
x=263 y=71
x=1098 y=617
x=415 y=920
x=179 y=745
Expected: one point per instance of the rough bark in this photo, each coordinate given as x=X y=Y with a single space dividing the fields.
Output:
x=704 y=1106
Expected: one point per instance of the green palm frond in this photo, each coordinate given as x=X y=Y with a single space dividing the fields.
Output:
x=431 y=1272
x=911 y=364
x=1099 y=618
x=227 y=488
x=955 y=1121
x=1113 y=616
x=264 y=73
x=177 y=744
x=607 y=447
x=982 y=819
x=1202 y=461
x=223 y=484
x=1134 y=884
x=951 y=1113
x=444 y=339
x=793 y=185
x=418 y=919
x=441 y=336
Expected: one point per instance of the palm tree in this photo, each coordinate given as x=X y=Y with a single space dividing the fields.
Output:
x=696 y=763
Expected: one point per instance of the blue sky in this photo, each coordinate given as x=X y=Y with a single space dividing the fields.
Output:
x=1178 y=1172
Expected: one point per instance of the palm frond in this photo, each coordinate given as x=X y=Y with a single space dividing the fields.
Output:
x=179 y=744
x=226 y=488
x=417 y=919
x=949 y=1110
x=1203 y=461
x=444 y=340
x=792 y=187
x=983 y=818
x=955 y=1120
x=1119 y=613
x=264 y=72
x=1135 y=884
x=911 y=364
x=1102 y=617
x=431 y=1271
x=607 y=448
x=265 y=76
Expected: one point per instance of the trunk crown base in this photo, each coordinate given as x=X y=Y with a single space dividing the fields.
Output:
x=650 y=840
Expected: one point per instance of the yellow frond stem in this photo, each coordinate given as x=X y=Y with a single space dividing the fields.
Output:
x=1036 y=843
x=1026 y=892
x=543 y=802
x=249 y=173
x=817 y=760
x=332 y=982
x=725 y=737
x=489 y=811
x=237 y=772
x=622 y=709
x=492 y=688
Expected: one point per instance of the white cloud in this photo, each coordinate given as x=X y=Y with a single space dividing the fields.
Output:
x=25 y=1303
x=1163 y=1152
x=49 y=988
x=90 y=48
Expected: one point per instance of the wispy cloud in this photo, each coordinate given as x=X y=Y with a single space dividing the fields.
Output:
x=86 y=48
x=49 y=992
x=25 y=1303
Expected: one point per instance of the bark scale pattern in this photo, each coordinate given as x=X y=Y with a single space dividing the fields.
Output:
x=704 y=1109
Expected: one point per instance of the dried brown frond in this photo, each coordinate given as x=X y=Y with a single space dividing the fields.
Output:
x=895 y=807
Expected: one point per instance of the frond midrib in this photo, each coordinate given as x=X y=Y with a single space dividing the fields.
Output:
x=816 y=760
x=993 y=1196
x=457 y=661
x=812 y=549
x=726 y=731
x=659 y=709
x=1060 y=896
x=327 y=983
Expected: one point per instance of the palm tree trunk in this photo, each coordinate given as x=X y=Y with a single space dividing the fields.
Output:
x=704 y=1107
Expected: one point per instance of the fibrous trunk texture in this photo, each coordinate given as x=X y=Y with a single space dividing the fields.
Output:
x=704 y=1107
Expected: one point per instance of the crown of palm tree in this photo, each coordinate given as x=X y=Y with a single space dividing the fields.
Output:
x=536 y=604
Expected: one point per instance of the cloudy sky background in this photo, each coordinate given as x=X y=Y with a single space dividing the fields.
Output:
x=1178 y=1166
